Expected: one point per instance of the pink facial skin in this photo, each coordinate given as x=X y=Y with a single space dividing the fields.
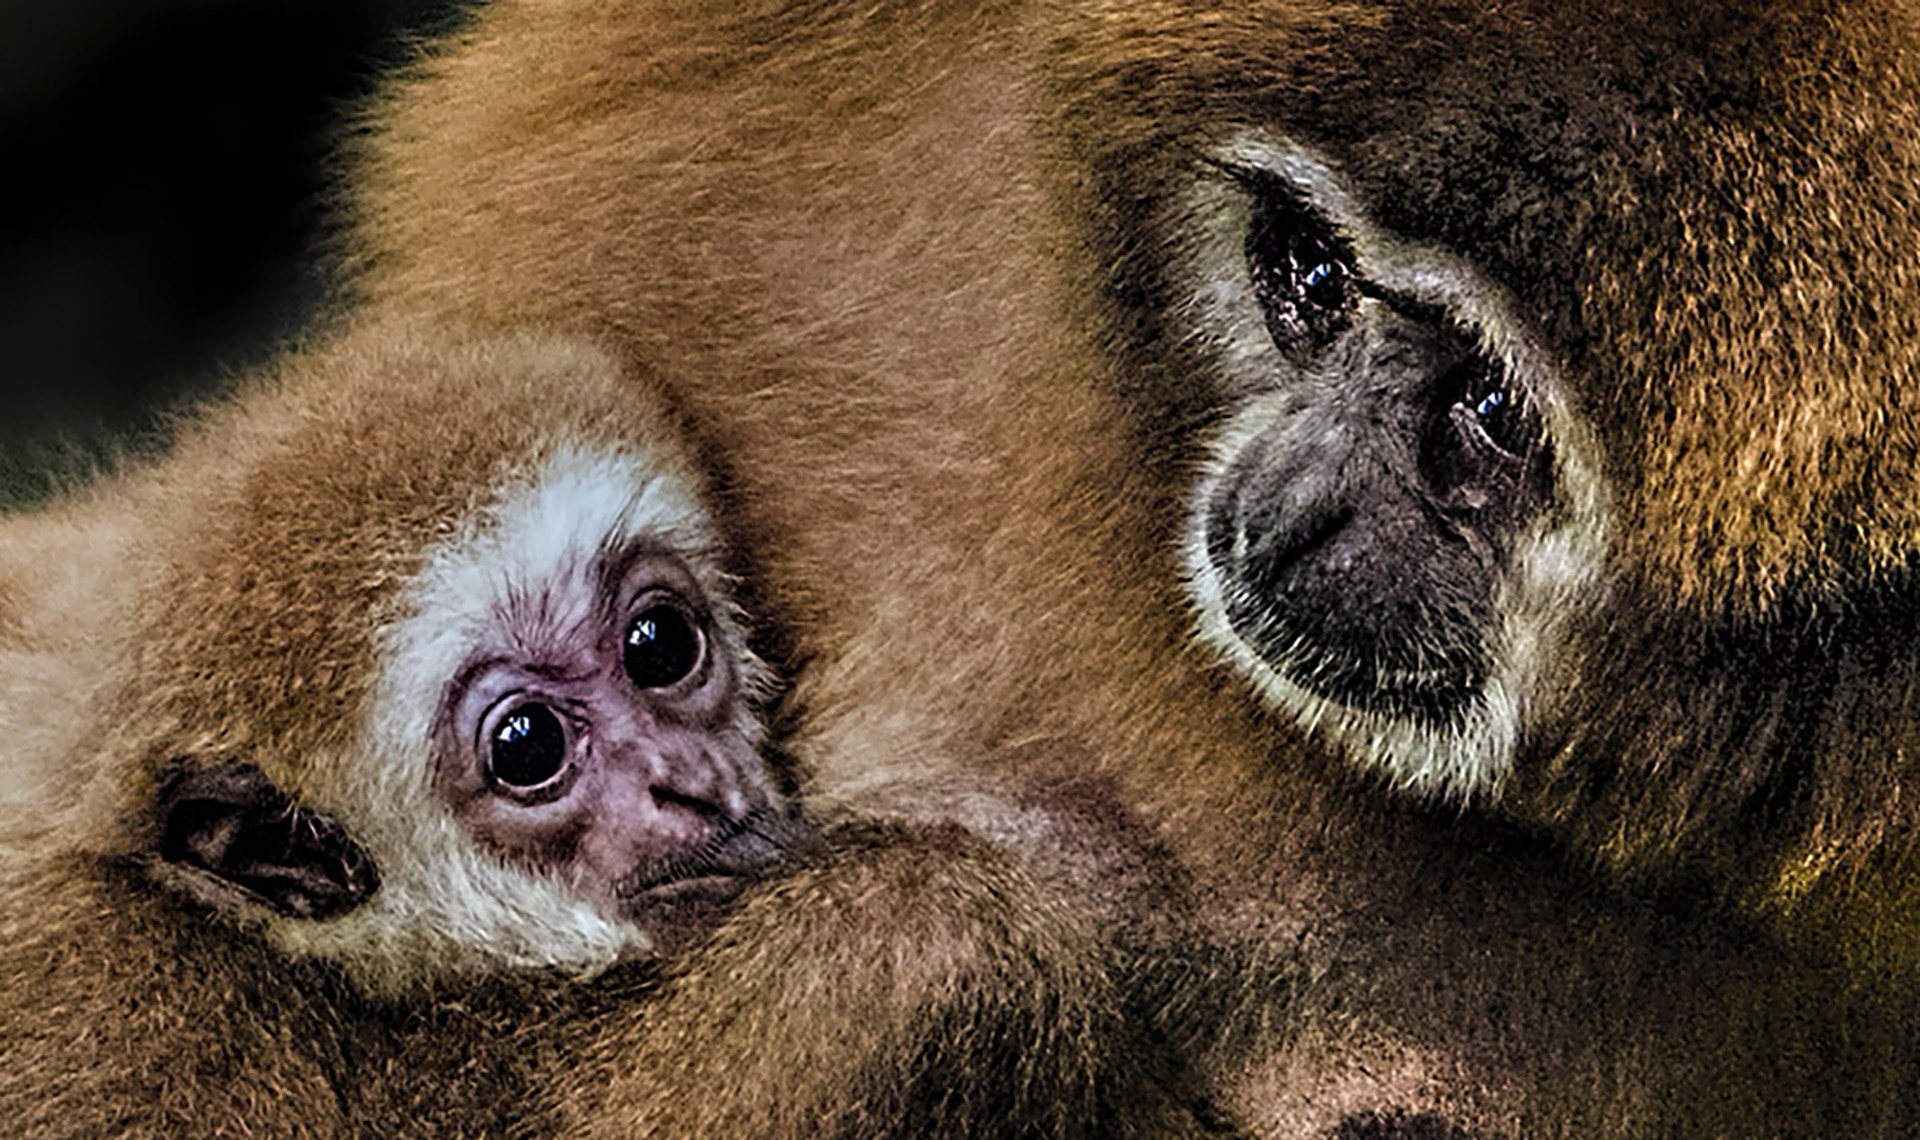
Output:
x=603 y=734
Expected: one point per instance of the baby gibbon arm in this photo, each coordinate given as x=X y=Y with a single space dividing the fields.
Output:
x=910 y=980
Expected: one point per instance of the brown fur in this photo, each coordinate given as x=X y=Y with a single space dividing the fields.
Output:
x=132 y=1012
x=918 y=242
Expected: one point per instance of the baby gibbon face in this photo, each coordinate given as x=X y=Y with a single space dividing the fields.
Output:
x=593 y=734
x=462 y=615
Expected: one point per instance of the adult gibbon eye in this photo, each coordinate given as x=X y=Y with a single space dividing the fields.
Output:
x=1302 y=270
x=526 y=748
x=662 y=647
x=1486 y=446
x=1496 y=412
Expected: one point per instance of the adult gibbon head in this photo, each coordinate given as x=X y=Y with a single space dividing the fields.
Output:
x=1556 y=376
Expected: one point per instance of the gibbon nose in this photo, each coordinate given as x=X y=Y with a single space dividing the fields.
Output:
x=695 y=814
x=1285 y=517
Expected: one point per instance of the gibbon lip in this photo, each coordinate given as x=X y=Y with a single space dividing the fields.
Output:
x=712 y=888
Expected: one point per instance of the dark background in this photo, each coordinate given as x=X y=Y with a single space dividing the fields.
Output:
x=162 y=212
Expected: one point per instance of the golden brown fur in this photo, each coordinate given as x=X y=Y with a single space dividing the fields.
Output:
x=204 y=614
x=906 y=267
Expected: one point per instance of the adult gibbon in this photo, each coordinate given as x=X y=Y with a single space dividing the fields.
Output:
x=1520 y=398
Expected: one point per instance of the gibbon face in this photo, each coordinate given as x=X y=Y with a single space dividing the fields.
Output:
x=1556 y=422
x=516 y=721
x=1400 y=510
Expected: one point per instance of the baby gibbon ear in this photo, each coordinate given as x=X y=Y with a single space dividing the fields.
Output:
x=239 y=838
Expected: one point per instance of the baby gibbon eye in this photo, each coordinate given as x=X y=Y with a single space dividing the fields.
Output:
x=1302 y=270
x=526 y=747
x=662 y=647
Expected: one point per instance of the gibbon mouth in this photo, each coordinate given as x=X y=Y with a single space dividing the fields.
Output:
x=1432 y=695
x=739 y=852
